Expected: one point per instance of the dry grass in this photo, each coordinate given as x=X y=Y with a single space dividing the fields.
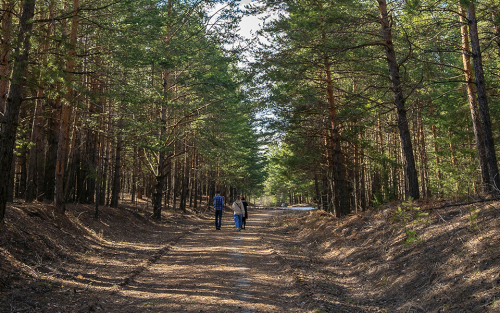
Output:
x=285 y=262
x=365 y=261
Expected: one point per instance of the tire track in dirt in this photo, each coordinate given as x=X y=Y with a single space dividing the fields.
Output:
x=213 y=271
x=242 y=282
x=154 y=258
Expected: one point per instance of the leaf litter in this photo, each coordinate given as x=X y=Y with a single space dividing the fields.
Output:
x=284 y=261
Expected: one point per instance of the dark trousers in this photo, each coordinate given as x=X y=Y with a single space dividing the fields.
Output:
x=218 y=218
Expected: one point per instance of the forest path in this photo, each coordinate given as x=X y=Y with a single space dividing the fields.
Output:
x=284 y=261
x=178 y=265
x=214 y=271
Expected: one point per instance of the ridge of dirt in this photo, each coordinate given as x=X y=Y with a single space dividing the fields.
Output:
x=63 y=256
x=154 y=258
x=362 y=263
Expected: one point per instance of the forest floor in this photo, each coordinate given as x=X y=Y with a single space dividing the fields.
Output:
x=384 y=260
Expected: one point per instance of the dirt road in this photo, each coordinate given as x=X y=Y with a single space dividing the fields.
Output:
x=178 y=265
x=309 y=262
x=214 y=271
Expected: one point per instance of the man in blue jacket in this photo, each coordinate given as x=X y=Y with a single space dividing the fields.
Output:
x=219 y=208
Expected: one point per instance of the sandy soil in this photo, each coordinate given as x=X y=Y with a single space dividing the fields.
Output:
x=282 y=262
x=179 y=265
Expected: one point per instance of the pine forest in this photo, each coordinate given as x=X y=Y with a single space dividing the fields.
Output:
x=122 y=120
x=347 y=104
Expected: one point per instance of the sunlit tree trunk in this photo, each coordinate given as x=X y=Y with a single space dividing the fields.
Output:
x=64 y=136
x=471 y=96
x=482 y=99
x=411 y=178
x=35 y=166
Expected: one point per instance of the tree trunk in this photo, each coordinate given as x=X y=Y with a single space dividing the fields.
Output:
x=169 y=182
x=363 y=181
x=196 y=181
x=70 y=175
x=35 y=166
x=317 y=198
x=411 y=178
x=156 y=198
x=23 y=173
x=482 y=98
x=436 y=151
x=11 y=181
x=115 y=193
x=36 y=139
x=14 y=99
x=62 y=155
x=158 y=190
x=356 y=179
x=97 y=191
x=51 y=155
x=342 y=201
x=5 y=51
x=471 y=96
x=39 y=160
x=104 y=197
x=175 y=183
x=394 y=153
x=117 y=177
x=192 y=178
x=424 y=177
x=87 y=194
x=324 y=195
x=382 y=171
x=185 y=180
x=99 y=196
x=64 y=137
x=134 y=175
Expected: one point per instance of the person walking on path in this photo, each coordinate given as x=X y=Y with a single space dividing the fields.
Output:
x=245 y=213
x=238 y=213
x=219 y=208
